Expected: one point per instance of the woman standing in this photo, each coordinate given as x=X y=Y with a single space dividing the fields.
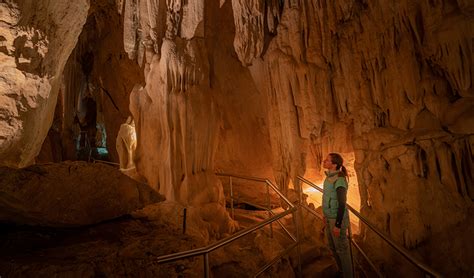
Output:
x=336 y=216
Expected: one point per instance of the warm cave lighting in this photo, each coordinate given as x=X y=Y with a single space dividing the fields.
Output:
x=353 y=196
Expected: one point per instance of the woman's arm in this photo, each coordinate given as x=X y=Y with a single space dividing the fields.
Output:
x=341 y=199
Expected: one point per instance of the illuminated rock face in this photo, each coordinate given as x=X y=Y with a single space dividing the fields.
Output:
x=393 y=84
x=36 y=38
x=176 y=114
x=335 y=77
x=126 y=144
x=270 y=87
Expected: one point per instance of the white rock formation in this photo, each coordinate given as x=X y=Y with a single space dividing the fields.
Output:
x=126 y=144
x=177 y=118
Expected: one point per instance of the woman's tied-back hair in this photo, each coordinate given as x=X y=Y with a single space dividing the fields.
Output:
x=337 y=159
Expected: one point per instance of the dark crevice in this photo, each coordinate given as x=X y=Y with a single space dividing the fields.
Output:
x=424 y=164
x=438 y=169
x=388 y=223
x=452 y=94
x=246 y=206
x=456 y=173
x=110 y=97
x=466 y=169
x=387 y=165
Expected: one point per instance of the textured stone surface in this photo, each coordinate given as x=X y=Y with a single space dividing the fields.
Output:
x=69 y=194
x=99 y=70
x=129 y=247
x=391 y=82
x=272 y=86
x=177 y=118
x=36 y=40
x=249 y=24
x=121 y=247
x=380 y=80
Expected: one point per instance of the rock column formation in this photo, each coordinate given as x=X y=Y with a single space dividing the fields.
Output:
x=176 y=114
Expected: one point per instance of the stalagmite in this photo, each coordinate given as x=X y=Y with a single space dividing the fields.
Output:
x=126 y=144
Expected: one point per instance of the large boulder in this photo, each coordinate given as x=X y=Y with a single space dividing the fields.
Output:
x=69 y=194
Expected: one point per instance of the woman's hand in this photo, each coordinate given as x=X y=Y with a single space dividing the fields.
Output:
x=336 y=231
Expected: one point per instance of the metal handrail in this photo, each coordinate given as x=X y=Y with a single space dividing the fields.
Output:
x=267 y=181
x=312 y=212
x=275 y=218
x=225 y=241
x=367 y=259
x=280 y=194
x=394 y=245
x=250 y=229
x=104 y=162
x=276 y=259
x=271 y=214
x=242 y=177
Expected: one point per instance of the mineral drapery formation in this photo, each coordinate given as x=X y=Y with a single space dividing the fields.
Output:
x=390 y=82
x=175 y=114
x=396 y=80
x=266 y=87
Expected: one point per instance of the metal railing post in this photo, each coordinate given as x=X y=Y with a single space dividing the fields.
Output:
x=298 y=240
x=300 y=197
x=300 y=234
x=206 y=265
x=405 y=253
x=205 y=251
x=184 y=221
x=367 y=259
x=350 y=242
x=269 y=208
x=231 y=198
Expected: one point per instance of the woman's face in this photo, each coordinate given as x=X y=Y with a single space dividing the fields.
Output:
x=327 y=163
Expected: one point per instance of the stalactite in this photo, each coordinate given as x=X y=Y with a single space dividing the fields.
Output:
x=131 y=22
x=249 y=29
x=120 y=4
x=273 y=15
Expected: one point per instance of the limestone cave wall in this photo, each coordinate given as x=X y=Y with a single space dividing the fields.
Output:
x=391 y=82
x=36 y=39
x=100 y=74
x=265 y=88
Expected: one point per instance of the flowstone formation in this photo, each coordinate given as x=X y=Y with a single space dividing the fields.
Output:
x=175 y=114
x=391 y=82
x=126 y=144
x=262 y=88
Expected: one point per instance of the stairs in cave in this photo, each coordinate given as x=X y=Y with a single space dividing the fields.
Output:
x=312 y=264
